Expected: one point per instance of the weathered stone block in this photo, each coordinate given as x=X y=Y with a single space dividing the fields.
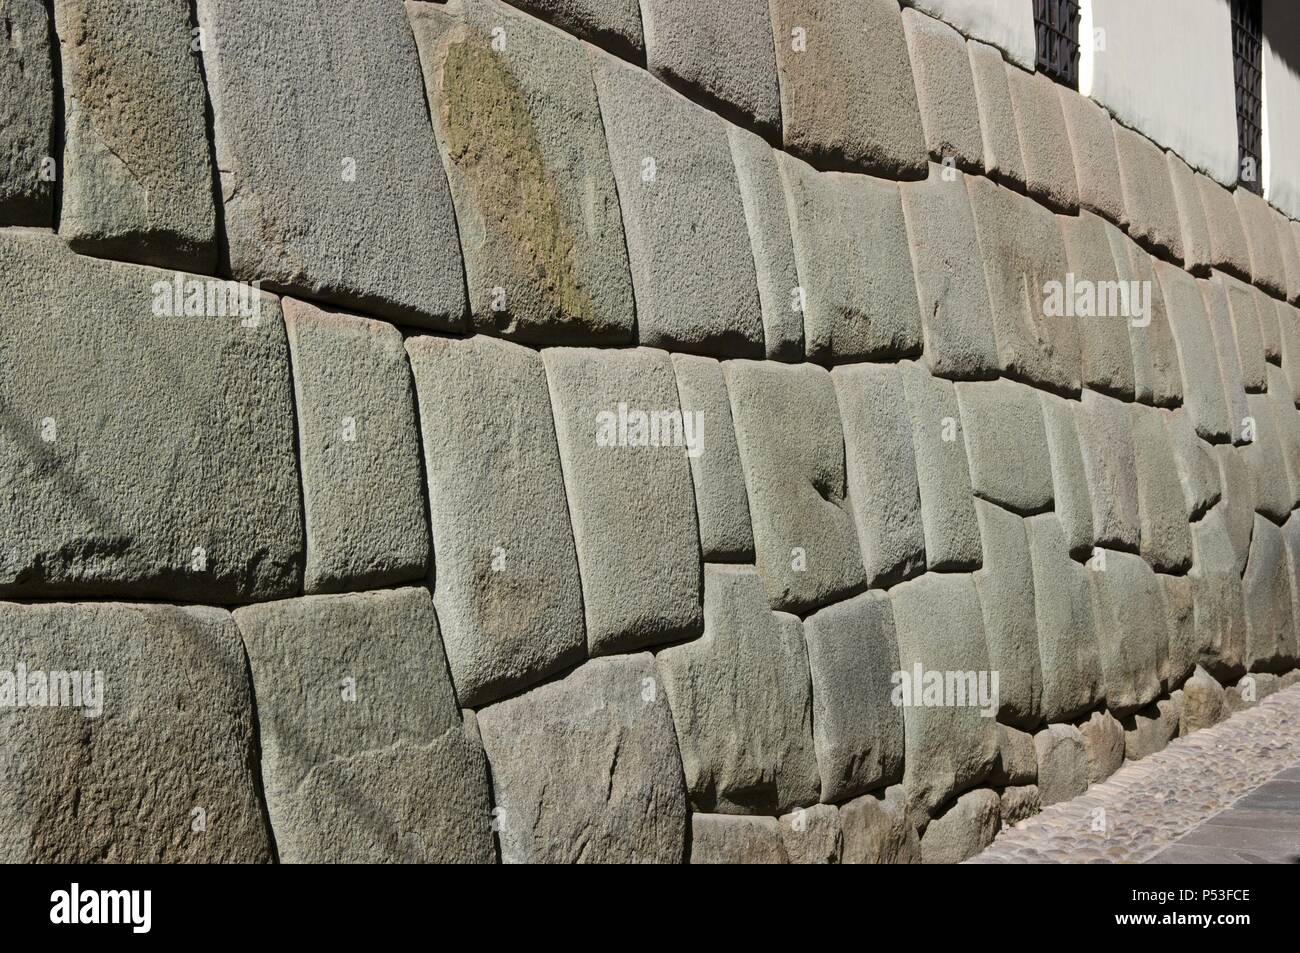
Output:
x=1178 y=594
x=1230 y=366
x=1238 y=501
x=1164 y=539
x=144 y=455
x=952 y=539
x=137 y=168
x=1265 y=458
x=508 y=594
x=1105 y=309
x=327 y=190
x=1266 y=589
x=1269 y=313
x=1017 y=762
x=1019 y=804
x=1195 y=229
x=1266 y=265
x=721 y=501
x=1103 y=745
x=1049 y=164
x=520 y=135
x=1006 y=445
x=612 y=24
x=1096 y=164
x=962 y=831
x=1132 y=631
x=165 y=726
x=867 y=119
x=628 y=482
x=741 y=702
x=1157 y=375
x=949 y=747
x=687 y=238
x=1288 y=425
x=1003 y=158
x=1291 y=540
x=879 y=829
x=1288 y=326
x=1062 y=764
x=364 y=755
x=1243 y=313
x=1148 y=193
x=1202 y=381
x=1289 y=251
x=857 y=730
x=359 y=447
x=1203 y=703
x=1198 y=474
x=812 y=835
x=881 y=471
x=586 y=769
x=26 y=115
x=856 y=285
x=1151 y=729
x=1106 y=443
x=805 y=541
x=1217 y=596
x=728 y=839
x=1228 y=248
x=1070 y=487
x=945 y=91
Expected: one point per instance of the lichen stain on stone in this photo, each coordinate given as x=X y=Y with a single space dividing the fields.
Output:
x=491 y=140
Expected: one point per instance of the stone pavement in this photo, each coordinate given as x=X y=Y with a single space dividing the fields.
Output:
x=1226 y=794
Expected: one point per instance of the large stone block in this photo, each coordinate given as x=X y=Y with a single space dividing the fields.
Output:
x=763 y=193
x=150 y=727
x=520 y=135
x=879 y=829
x=1151 y=729
x=1265 y=456
x=805 y=541
x=1266 y=590
x=857 y=730
x=26 y=114
x=1291 y=542
x=329 y=190
x=856 y=285
x=1288 y=425
x=1230 y=365
x=963 y=830
x=1132 y=631
x=847 y=98
x=1044 y=142
x=1148 y=193
x=812 y=835
x=952 y=539
x=1238 y=501
x=612 y=24
x=1003 y=158
x=1202 y=380
x=1217 y=597
x=1096 y=164
x=721 y=502
x=1070 y=488
x=1157 y=375
x=1204 y=704
x=1289 y=251
x=687 y=237
x=1178 y=593
x=951 y=741
x=628 y=482
x=508 y=594
x=1191 y=214
x=1017 y=763
x=1269 y=313
x=1103 y=745
x=1106 y=442
x=359 y=444
x=881 y=471
x=945 y=91
x=728 y=839
x=956 y=320
x=364 y=754
x=1228 y=248
x=1288 y=327
x=1198 y=473
x=741 y=702
x=1006 y=444
x=1105 y=310
x=722 y=54
x=1266 y=264
x=1243 y=312
x=137 y=168
x=1069 y=653
x=1005 y=584
x=1023 y=250
x=1062 y=764
x=142 y=454
x=1019 y=804
x=1165 y=542
x=586 y=769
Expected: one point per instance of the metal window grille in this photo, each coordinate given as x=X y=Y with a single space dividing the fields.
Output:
x=1056 y=23
x=1247 y=30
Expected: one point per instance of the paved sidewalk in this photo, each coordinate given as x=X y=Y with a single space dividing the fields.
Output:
x=1226 y=794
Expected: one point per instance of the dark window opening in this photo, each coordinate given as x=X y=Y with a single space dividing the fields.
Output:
x=1056 y=23
x=1247 y=30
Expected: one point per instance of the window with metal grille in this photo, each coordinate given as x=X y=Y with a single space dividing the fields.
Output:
x=1056 y=23
x=1247 y=28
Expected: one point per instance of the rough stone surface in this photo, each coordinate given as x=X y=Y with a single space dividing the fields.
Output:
x=952 y=539
x=1068 y=649
x=1157 y=375
x=1203 y=703
x=881 y=471
x=965 y=829
x=805 y=540
x=687 y=238
x=1019 y=804
x=137 y=168
x=1217 y=597
x=1103 y=745
x=507 y=589
x=812 y=835
x=1288 y=430
x=1151 y=729
x=857 y=289
x=1289 y=251
x=762 y=191
x=721 y=53
x=741 y=702
x=1106 y=443
x=327 y=190
x=1243 y=312
x=1070 y=488
x=1228 y=248
x=169 y=727
x=727 y=839
x=1288 y=324
x=1006 y=445
x=364 y=754
x=1044 y=142
x=26 y=114
x=1270 y=326
x=1003 y=158
x=1198 y=474
x=1270 y=627
x=1005 y=584
x=1238 y=509
x=945 y=91
x=630 y=496
x=1266 y=265
x=1165 y=541
x=847 y=98
x=1266 y=457
x=1178 y=593
x=1202 y=381
x=949 y=748
x=520 y=135
x=1104 y=322
x=1017 y=761
x=878 y=829
x=612 y=24
x=1230 y=364
x=586 y=769
x=1191 y=214
x=1062 y=764
x=359 y=448
x=1148 y=193
x=721 y=501
x=857 y=730
x=1132 y=631
x=143 y=455
x=1096 y=164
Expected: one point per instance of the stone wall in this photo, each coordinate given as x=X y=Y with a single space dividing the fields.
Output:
x=625 y=400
